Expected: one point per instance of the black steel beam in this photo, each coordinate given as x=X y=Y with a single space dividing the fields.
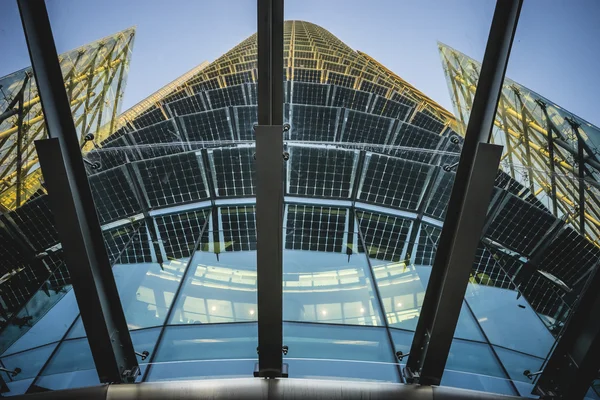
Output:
x=467 y=208
x=73 y=207
x=269 y=189
x=550 y=129
x=580 y=173
x=574 y=364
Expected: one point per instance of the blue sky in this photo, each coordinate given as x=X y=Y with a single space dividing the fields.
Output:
x=556 y=51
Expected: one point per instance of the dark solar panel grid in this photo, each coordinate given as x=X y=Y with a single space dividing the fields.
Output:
x=188 y=105
x=252 y=93
x=335 y=78
x=117 y=134
x=569 y=256
x=206 y=85
x=309 y=93
x=226 y=97
x=150 y=117
x=373 y=88
x=505 y=182
x=384 y=235
x=11 y=255
x=403 y=99
x=412 y=136
x=128 y=244
x=113 y=196
x=544 y=297
x=238 y=78
x=16 y=291
x=162 y=132
x=36 y=221
x=315 y=228
x=440 y=196
x=233 y=170
x=389 y=108
x=60 y=278
x=121 y=152
x=307 y=75
x=427 y=122
x=314 y=123
x=173 y=179
x=319 y=172
x=489 y=271
x=211 y=125
x=245 y=118
x=179 y=232
x=175 y=95
x=239 y=227
x=427 y=244
x=393 y=182
x=519 y=226
x=359 y=127
x=350 y=98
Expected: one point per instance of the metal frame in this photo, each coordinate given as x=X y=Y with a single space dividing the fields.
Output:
x=467 y=208
x=269 y=189
x=73 y=207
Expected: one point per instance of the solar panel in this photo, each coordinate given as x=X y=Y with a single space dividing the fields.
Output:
x=360 y=127
x=335 y=78
x=373 y=88
x=17 y=290
x=118 y=153
x=36 y=221
x=245 y=118
x=315 y=228
x=389 y=108
x=569 y=256
x=11 y=255
x=179 y=232
x=394 y=182
x=427 y=122
x=321 y=172
x=211 y=125
x=314 y=123
x=233 y=171
x=307 y=75
x=128 y=244
x=187 y=105
x=162 y=132
x=149 y=117
x=309 y=93
x=350 y=98
x=206 y=85
x=225 y=97
x=252 y=92
x=440 y=196
x=400 y=98
x=420 y=139
x=113 y=196
x=239 y=227
x=384 y=235
x=427 y=244
x=173 y=179
x=519 y=225
x=238 y=78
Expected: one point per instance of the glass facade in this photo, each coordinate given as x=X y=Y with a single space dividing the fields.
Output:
x=367 y=184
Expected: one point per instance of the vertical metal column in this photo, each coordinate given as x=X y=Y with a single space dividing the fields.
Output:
x=269 y=189
x=73 y=208
x=466 y=209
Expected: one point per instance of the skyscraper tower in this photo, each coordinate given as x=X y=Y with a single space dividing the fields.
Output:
x=369 y=170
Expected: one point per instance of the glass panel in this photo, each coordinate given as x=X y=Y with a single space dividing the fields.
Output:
x=29 y=363
x=73 y=366
x=220 y=283
x=206 y=351
x=329 y=351
x=326 y=279
x=516 y=364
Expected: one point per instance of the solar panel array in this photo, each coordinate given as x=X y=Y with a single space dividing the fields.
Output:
x=354 y=136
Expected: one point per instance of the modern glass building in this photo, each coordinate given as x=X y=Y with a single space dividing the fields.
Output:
x=369 y=168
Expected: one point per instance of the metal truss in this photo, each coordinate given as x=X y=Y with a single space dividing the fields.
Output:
x=94 y=76
x=547 y=149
